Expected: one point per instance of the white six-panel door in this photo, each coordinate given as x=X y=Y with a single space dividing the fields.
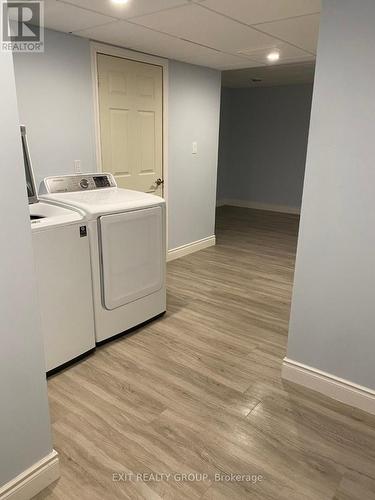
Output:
x=131 y=122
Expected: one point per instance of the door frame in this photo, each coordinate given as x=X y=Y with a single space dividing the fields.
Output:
x=112 y=50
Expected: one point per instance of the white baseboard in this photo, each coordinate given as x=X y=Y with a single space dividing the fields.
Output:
x=33 y=480
x=334 y=387
x=183 y=250
x=259 y=206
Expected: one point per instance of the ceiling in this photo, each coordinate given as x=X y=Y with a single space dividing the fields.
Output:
x=268 y=76
x=221 y=34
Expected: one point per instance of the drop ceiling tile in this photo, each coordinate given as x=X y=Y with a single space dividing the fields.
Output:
x=62 y=17
x=132 y=36
x=301 y=31
x=136 y=37
x=222 y=61
x=287 y=53
x=259 y=11
x=125 y=11
x=194 y=23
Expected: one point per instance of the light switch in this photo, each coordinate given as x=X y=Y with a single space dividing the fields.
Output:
x=194 y=149
x=77 y=166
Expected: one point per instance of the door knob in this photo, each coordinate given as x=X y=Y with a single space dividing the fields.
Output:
x=159 y=181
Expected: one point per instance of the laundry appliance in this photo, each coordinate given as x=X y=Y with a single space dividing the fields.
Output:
x=63 y=271
x=128 y=249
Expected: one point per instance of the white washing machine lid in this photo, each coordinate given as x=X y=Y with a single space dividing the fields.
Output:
x=45 y=216
x=104 y=201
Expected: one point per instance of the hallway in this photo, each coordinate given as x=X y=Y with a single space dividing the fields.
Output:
x=199 y=390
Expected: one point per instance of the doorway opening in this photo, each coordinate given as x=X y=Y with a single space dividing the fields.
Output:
x=265 y=117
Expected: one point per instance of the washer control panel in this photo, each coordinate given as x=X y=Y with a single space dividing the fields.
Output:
x=81 y=182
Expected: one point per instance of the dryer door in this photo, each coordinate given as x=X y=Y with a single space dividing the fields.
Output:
x=132 y=251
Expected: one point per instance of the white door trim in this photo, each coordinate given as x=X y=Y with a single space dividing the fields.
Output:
x=328 y=384
x=112 y=50
x=33 y=480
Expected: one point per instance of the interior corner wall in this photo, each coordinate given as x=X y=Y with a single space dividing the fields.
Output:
x=263 y=143
x=332 y=321
x=25 y=436
x=193 y=116
x=55 y=99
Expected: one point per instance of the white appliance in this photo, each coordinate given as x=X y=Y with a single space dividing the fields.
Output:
x=63 y=271
x=128 y=249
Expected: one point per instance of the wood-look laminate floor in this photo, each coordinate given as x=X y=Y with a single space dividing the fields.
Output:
x=199 y=391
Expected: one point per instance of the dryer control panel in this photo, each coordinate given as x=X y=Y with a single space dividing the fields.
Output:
x=79 y=182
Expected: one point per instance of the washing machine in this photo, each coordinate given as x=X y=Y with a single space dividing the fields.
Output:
x=63 y=273
x=127 y=236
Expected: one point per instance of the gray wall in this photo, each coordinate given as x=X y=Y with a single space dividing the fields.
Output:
x=263 y=141
x=24 y=419
x=194 y=108
x=332 y=323
x=55 y=100
x=54 y=92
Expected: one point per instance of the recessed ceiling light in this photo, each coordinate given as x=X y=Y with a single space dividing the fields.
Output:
x=120 y=1
x=273 y=56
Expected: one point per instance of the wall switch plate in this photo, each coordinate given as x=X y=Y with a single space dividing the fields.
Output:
x=194 y=149
x=77 y=166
